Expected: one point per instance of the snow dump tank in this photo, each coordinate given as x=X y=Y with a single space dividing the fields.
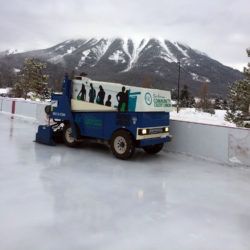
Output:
x=98 y=96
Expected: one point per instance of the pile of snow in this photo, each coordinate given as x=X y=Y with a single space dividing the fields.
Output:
x=17 y=70
x=4 y=91
x=12 y=51
x=192 y=115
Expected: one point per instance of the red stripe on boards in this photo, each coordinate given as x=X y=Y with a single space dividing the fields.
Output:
x=13 y=107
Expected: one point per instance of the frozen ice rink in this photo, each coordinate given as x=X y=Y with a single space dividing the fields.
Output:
x=62 y=198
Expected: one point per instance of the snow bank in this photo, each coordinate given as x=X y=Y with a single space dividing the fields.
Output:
x=4 y=91
x=193 y=115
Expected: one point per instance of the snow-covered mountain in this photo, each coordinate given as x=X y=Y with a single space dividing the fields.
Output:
x=9 y=52
x=130 y=60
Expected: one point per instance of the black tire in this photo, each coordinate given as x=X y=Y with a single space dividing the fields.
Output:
x=68 y=138
x=247 y=125
x=122 y=144
x=47 y=109
x=153 y=149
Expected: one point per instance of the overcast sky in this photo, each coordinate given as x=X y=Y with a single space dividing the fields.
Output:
x=219 y=28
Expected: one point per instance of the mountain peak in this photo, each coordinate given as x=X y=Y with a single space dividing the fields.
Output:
x=129 y=60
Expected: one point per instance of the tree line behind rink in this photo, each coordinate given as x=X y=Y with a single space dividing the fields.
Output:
x=32 y=81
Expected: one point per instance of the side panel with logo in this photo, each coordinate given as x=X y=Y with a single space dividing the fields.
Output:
x=121 y=97
x=155 y=100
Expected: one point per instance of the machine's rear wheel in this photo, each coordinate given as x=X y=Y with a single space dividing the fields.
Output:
x=122 y=144
x=68 y=138
x=153 y=149
x=47 y=109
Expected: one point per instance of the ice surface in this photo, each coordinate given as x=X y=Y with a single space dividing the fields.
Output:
x=62 y=198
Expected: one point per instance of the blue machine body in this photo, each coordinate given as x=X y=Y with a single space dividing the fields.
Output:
x=45 y=135
x=102 y=125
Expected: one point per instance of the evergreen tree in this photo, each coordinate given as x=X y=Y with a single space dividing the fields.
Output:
x=16 y=92
x=224 y=104
x=46 y=93
x=32 y=79
x=186 y=99
x=239 y=101
x=192 y=102
x=218 y=103
x=239 y=98
x=247 y=70
x=8 y=76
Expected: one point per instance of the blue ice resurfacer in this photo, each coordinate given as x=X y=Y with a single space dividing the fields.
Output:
x=136 y=117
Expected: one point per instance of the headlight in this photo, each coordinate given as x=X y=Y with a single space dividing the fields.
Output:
x=166 y=129
x=144 y=131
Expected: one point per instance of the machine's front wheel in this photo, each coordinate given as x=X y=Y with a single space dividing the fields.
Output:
x=153 y=149
x=68 y=138
x=122 y=144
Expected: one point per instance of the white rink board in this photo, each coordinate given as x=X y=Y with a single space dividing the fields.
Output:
x=7 y=105
x=223 y=144
x=122 y=97
x=1 y=104
x=25 y=108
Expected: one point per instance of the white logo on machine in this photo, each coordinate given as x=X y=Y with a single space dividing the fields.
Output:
x=54 y=103
x=59 y=114
x=134 y=119
x=161 y=101
x=148 y=98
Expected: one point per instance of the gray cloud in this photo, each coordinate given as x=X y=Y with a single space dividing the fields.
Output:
x=219 y=28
